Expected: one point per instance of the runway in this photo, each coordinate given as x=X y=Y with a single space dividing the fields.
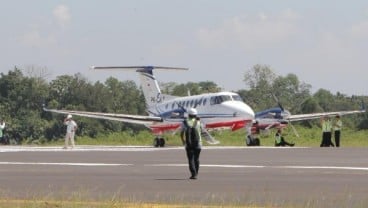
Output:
x=228 y=175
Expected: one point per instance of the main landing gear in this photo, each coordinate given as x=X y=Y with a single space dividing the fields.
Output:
x=159 y=142
x=252 y=141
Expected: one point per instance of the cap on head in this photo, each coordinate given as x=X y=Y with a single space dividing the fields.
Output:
x=192 y=111
x=69 y=116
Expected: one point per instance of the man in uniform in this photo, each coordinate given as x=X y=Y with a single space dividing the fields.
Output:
x=280 y=141
x=337 y=128
x=326 y=132
x=71 y=127
x=191 y=138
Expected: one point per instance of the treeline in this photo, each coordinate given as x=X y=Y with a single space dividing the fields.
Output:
x=23 y=92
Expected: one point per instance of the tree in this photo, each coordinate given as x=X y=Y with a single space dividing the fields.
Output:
x=325 y=99
x=290 y=91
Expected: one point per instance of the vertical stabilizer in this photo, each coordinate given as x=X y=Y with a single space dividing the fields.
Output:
x=150 y=87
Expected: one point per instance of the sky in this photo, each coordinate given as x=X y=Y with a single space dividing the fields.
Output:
x=324 y=43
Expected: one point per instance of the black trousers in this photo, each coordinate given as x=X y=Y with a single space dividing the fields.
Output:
x=283 y=143
x=326 y=139
x=193 y=160
x=337 y=138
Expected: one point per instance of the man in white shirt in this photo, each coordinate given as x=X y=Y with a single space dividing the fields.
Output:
x=71 y=127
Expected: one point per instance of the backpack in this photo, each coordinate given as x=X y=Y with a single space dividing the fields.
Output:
x=191 y=135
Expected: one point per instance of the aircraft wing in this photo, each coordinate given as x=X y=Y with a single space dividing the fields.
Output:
x=136 y=119
x=302 y=117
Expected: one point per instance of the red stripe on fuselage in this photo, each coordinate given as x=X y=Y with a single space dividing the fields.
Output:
x=162 y=128
x=234 y=125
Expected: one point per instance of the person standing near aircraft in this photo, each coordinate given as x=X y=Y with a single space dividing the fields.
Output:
x=326 y=132
x=71 y=127
x=337 y=124
x=191 y=138
x=2 y=127
x=280 y=141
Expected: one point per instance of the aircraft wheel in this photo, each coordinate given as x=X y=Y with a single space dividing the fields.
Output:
x=248 y=141
x=257 y=142
x=162 y=142
x=156 y=142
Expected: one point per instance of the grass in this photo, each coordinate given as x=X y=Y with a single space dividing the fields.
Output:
x=93 y=204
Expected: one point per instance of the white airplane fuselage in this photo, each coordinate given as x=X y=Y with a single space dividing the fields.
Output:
x=216 y=110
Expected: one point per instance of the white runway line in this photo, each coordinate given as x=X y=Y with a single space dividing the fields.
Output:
x=83 y=149
x=207 y=165
x=326 y=167
x=262 y=166
x=64 y=164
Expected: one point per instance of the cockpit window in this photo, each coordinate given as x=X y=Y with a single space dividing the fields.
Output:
x=225 y=98
x=237 y=98
x=219 y=99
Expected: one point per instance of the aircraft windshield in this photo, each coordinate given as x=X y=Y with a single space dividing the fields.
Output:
x=219 y=99
x=237 y=98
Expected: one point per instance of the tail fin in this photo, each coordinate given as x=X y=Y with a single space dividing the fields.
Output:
x=150 y=87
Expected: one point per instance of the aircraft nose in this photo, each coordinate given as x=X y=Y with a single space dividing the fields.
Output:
x=244 y=110
x=248 y=110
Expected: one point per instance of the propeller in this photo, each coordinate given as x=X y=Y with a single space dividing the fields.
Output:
x=294 y=130
x=277 y=101
x=283 y=110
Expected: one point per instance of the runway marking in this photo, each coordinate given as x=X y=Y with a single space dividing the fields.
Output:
x=326 y=167
x=64 y=164
x=263 y=166
x=184 y=165
x=208 y=165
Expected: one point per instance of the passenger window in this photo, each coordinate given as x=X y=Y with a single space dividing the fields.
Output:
x=198 y=102
x=212 y=100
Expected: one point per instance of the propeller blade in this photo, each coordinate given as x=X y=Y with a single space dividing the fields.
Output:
x=277 y=101
x=294 y=130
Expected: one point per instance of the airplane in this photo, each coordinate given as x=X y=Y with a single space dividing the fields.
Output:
x=166 y=112
x=278 y=117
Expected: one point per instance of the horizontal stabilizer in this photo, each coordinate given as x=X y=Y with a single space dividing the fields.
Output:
x=138 y=68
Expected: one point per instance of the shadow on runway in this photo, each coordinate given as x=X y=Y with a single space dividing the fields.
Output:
x=171 y=179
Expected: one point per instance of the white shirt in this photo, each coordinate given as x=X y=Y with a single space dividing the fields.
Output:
x=70 y=126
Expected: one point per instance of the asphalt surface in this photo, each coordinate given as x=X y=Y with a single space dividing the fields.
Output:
x=322 y=177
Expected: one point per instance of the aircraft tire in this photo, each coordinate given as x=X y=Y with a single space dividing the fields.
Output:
x=161 y=142
x=156 y=142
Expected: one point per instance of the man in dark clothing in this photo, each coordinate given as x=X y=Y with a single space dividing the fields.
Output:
x=192 y=141
x=326 y=132
x=337 y=124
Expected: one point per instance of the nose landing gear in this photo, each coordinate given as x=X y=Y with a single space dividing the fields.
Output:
x=159 y=142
